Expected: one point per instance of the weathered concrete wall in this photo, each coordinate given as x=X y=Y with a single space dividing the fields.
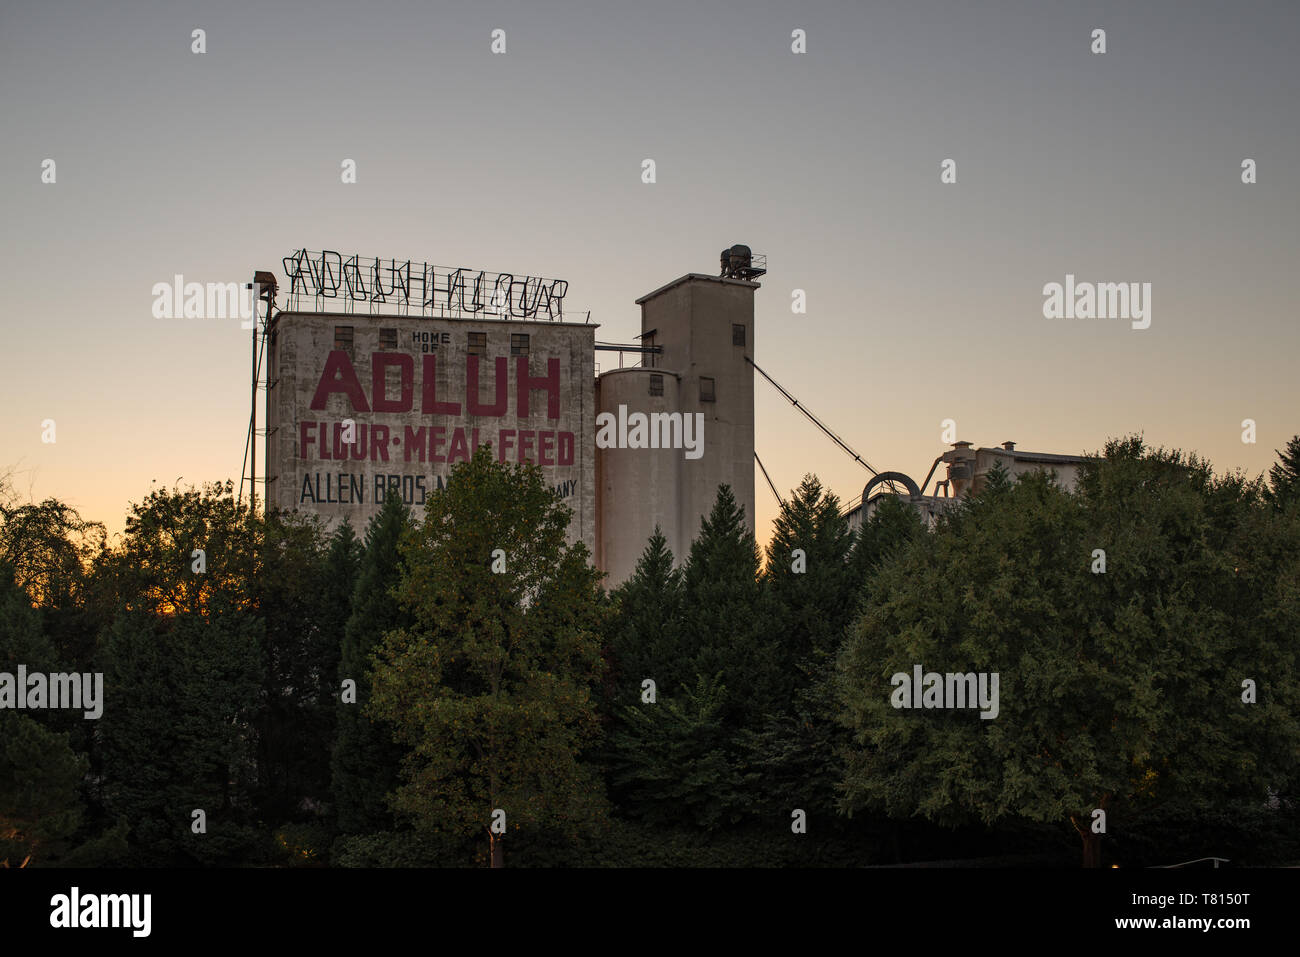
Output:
x=968 y=470
x=1067 y=473
x=639 y=488
x=417 y=415
x=692 y=319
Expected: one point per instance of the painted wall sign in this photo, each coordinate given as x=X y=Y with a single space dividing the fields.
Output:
x=360 y=406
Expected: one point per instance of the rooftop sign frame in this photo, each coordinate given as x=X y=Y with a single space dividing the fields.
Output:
x=408 y=288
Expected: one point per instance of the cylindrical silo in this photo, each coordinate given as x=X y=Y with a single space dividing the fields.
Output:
x=640 y=478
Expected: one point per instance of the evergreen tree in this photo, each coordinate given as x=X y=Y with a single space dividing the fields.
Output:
x=293 y=740
x=724 y=617
x=720 y=664
x=181 y=695
x=812 y=595
x=40 y=775
x=809 y=578
x=1284 y=476
x=668 y=757
x=645 y=632
x=366 y=759
x=671 y=765
x=40 y=778
x=893 y=523
x=341 y=566
x=22 y=642
x=997 y=480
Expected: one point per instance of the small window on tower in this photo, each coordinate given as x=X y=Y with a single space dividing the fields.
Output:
x=477 y=344
x=518 y=344
x=656 y=383
x=343 y=338
x=706 y=390
x=737 y=334
x=387 y=339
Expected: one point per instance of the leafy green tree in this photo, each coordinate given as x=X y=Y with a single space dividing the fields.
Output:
x=493 y=686
x=1119 y=690
x=197 y=557
x=183 y=677
x=182 y=548
x=50 y=547
x=366 y=759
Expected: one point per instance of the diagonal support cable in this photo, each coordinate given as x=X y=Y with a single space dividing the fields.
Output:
x=818 y=422
x=769 y=481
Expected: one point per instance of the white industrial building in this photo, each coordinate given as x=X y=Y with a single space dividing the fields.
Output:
x=383 y=374
x=967 y=468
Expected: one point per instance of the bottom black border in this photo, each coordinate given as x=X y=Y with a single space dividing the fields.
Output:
x=917 y=906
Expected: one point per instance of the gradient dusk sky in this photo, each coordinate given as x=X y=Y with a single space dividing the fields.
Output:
x=924 y=300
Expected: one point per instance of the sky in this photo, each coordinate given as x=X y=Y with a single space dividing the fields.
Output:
x=924 y=299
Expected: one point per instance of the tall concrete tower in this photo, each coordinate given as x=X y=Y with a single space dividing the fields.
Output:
x=704 y=327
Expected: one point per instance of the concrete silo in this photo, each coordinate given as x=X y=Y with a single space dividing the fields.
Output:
x=700 y=329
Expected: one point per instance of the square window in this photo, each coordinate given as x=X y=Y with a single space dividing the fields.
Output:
x=477 y=344
x=343 y=338
x=388 y=339
x=737 y=334
x=656 y=383
x=518 y=344
x=706 y=390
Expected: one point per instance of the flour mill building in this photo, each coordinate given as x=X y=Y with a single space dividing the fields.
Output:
x=383 y=374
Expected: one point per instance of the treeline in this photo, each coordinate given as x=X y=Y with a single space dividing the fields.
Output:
x=455 y=688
